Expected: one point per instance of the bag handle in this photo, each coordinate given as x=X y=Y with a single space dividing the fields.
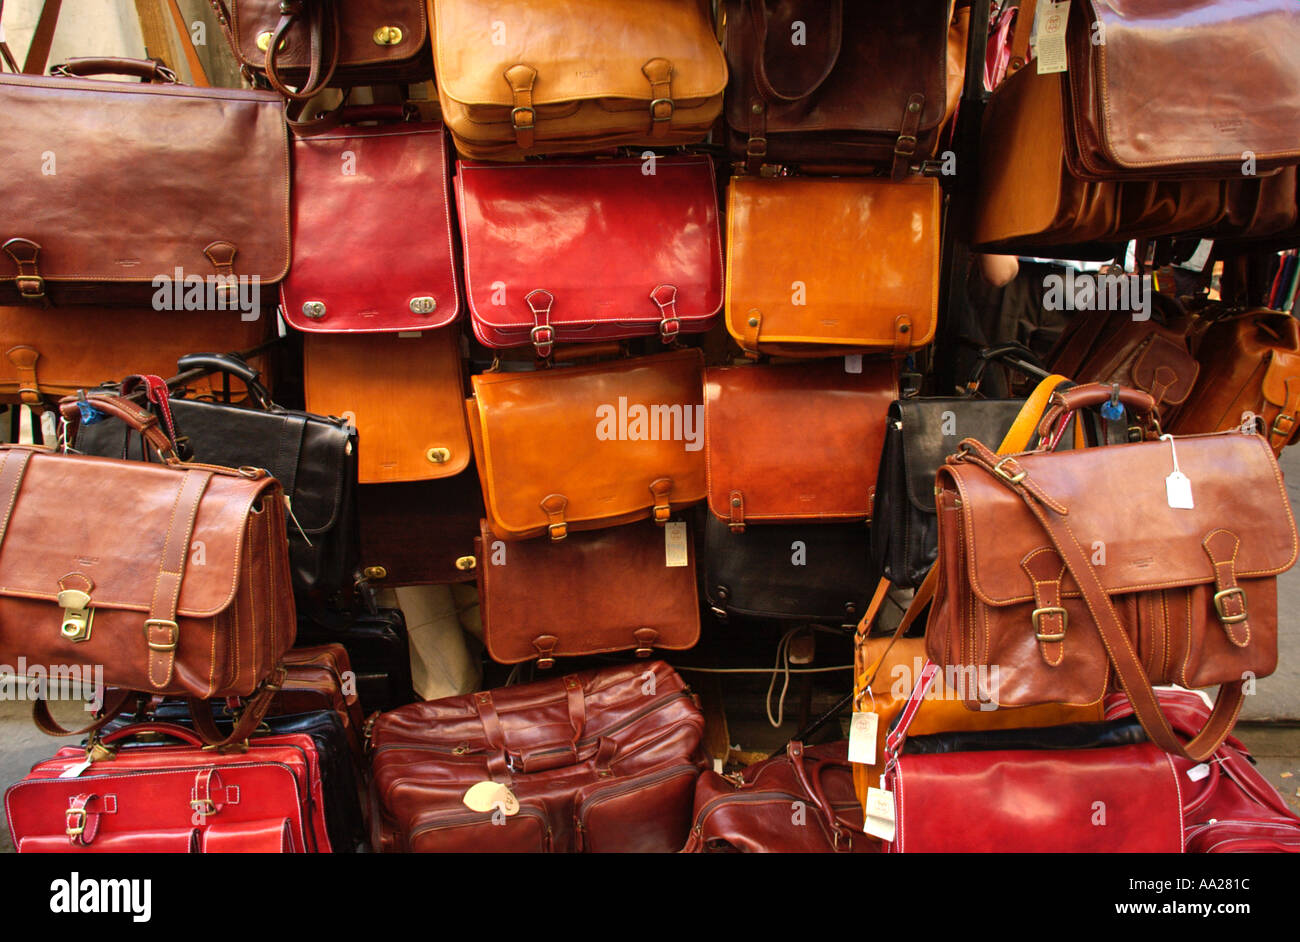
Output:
x=758 y=14
x=1141 y=404
x=153 y=726
x=88 y=66
x=146 y=423
x=1020 y=35
x=322 y=64
x=236 y=366
x=841 y=831
x=499 y=764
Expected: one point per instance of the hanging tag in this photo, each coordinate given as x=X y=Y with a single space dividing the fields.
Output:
x=26 y=425
x=675 y=544
x=853 y=363
x=862 y=738
x=1200 y=258
x=880 y=815
x=49 y=431
x=1198 y=772
x=1052 y=18
x=73 y=771
x=410 y=334
x=1178 y=489
x=489 y=796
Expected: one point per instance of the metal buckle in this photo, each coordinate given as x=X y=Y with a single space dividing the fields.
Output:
x=910 y=140
x=540 y=327
x=669 y=327
x=1014 y=479
x=1218 y=605
x=532 y=118
x=76 y=830
x=40 y=286
x=756 y=151
x=165 y=622
x=1277 y=431
x=200 y=804
x=1036 y=618
x=662 y=101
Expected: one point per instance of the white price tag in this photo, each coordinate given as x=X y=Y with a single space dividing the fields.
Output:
x=73 y=771
x=1198 y=772
x=1178 y=488
x=862 y=738
x=880 y=815
x=853 y=363
x=1052 y=19
x=49 y=431
x=675 y=544
x=1201 y=257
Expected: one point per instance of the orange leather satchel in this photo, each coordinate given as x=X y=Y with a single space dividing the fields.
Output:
x=817 y=267
x=584 y=447
x=403 y=393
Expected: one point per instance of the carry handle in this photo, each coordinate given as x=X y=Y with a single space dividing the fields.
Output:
x=758 y=14
x=322 y=65
x=146 y=423
x=140 y=729
x=1141 y=405
x=145 y=69
x=841 y=831
x=234 y=365
x=499 y=762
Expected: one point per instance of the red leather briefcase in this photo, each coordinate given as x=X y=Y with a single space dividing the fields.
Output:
x=125 y=796
x=372 y=238
x=590 y=250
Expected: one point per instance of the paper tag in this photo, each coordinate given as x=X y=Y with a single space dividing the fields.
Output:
x=880 y=815
x=1052 y=18
x=862 y=738
x=73 y=771
x=49 y=431
x=1201 y=257
x=489 y=796
x=675 y=544
x=1179 y=491
x=853 y=363
x=1198 y=772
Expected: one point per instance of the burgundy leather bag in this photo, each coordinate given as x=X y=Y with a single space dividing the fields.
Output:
x=355 y=268
x=590 y=250
x=124 y=796
x=601 y=761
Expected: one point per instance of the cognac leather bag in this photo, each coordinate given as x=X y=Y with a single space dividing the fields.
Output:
x=543 y=600
x=590 y=250
x=585 y=447
x=604 y=761
x=353 y=269
x=404 y=394
x=867 y=84
x=817 y=267
x=776 y=436
x=99 y=205
x=518 y=78
x=1188 y=597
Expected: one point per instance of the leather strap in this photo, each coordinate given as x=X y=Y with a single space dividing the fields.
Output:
x=905 y=146
x=46 y=723
x=523 y=116
x=1282 y=425
x=146 y=423
x=322 y=18
x=645 y=638
x=1229 y=599
x=38 y=53
x=545 y=647
x=670 y=325
x=749 y=336
x=554 y=505
x=26 y=255
x=661 y=491
x=659 y=73
x=247 y=720
x=736 y=511
x=540 y=301
x=758 y=16
x=498 y=767
x=147 y=70
x=13 y=465
x=1020 y=36
x=161 y=630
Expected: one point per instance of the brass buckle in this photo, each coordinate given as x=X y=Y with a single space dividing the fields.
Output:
x=662 y=101
x=532 y=118
x=910 y=141
x=1014 y=479
x=756 y=147
x=204 y=806
x=79 y=814
x=39 y=291
x=1277 y=431
x=1218 y=605
x=165 y=622
x=1036 y=619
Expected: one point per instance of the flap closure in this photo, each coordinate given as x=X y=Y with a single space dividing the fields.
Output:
x=1165 y=369
x=1281 y=385
x=358 y=21
x=585 y=49
x=1236 y=485
x=933 y=430
x=613 y=231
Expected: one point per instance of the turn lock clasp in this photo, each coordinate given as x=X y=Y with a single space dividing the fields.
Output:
x=77 y=615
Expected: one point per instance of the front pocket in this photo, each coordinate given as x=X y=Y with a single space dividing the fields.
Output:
x=648 y=814
x=473 y=832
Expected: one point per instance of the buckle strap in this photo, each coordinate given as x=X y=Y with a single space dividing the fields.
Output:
x=736 y=511
x=1049 y=618
x=905 y=146
x=523 y=116
x=539 y=301
x=162 y=633
x=554 y=505
x=1229 y=599
x=665 y=298
x=26 y=255
x=660 y=490
x=545 y=646
x=645 y=641
x=659 y=72
x=24 y=360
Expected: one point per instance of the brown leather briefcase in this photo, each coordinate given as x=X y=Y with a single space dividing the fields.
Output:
x=543 y=600
x=776 y=436
x=584 y=447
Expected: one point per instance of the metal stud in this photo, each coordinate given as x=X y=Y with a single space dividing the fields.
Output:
x=423 y=305
x=314 y=309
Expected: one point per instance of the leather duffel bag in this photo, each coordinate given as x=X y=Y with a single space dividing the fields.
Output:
x=519 y=78
x=652 y=223
x=598 y=762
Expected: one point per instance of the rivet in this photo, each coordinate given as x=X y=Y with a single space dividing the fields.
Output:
x=913 y=106
x=756 y=107
x=904 y=329
x=753 y=322
x=735 y=502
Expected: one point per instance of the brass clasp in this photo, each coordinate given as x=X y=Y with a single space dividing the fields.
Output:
x=77 y=615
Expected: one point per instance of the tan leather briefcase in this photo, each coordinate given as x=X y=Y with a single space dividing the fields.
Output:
x=584 y=447
x=817 y=267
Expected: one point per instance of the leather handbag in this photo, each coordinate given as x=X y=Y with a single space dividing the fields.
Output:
x=819 y=267
x=314 y=457
x=446 y=513
x=531 y=232
x=862 y=83
x=603 y=761
x=101 y=208
x=1250 y=363
x=820 y=572
x=404 y=394
x=517 y=78
x=630 y=433
x=350 y=184
x=775 y=437
x=46 y=357
x=175 y=579
x=122 y=796
x=315 y=44
x=798 y=803
x=543 y=600
x=1021 y=584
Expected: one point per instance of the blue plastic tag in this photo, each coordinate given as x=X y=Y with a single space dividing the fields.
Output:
x=1112 y=411
x=89 y=414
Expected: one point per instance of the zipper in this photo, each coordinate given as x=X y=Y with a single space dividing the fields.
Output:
x=627 y=786
x=468 y=818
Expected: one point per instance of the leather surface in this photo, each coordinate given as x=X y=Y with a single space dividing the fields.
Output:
x=866 y=253
x=544 y=225
x=776 y=436
x=125 y=204
x=591 y=62
x=538 y=435
x=445 y=513
x=378 y=652
x=404 y=394
x=543 y=600
x=635 y=735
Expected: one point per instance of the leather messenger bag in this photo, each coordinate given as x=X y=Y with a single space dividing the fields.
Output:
x=1150 y=562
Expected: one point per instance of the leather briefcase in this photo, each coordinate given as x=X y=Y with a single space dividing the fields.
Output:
x=798 y=803
x=776 y=435
x=1188 y=597
x=175 y=579
x=868 y=83
x=379 y=652
x=604 y=761
x=173 y=798
x=404 y=394
x=353 y=269
x=819 y=572
x=585 y=447
x=530 y=234
x=314 y=457
x=100 y=207
x=319 y=43
x=817 y=267
x=512 y=82
x=445 y=513
x=543 y=600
